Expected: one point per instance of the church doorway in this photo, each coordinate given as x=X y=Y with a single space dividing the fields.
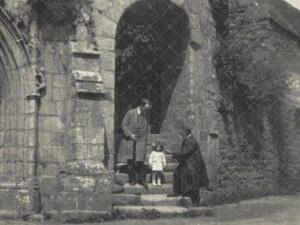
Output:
x=151 y=44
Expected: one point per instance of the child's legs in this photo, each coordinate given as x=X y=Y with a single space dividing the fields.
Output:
x=159 y=177
x=155 y=175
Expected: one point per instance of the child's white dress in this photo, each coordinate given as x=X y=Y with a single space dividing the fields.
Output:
x=157 y=160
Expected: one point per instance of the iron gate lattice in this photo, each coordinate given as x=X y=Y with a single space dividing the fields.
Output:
x=151 y=43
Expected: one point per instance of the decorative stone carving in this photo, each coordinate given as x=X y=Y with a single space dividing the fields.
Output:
x=88 y=82
x=86 y=67
x=40 y=79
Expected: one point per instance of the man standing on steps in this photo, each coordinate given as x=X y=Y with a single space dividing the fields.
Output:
x=191 y=174
x=135 y=127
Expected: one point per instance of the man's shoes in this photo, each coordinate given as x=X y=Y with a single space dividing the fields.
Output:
x=173 y=195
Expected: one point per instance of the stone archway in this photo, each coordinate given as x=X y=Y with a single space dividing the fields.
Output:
x=198 y=65
x=107 y=17
x=17 y=122
x=151 y=44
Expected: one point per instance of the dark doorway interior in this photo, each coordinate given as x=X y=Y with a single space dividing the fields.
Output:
x=151 y=43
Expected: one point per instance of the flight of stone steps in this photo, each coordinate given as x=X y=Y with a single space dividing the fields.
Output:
x=137 y=202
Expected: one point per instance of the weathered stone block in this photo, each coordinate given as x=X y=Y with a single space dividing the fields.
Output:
x=18 y=196
x=59 y=94
x=49 y=169
x=107 y=44
x=67 y=201
x=108 y=27
x=52 y=154
x=59 y=81
x=89 y=87
x=55 y=58
x=79 y=49
x=48 y=108
x=95 y=136
x=51 y=124
x=103 y=5
x=109 y=79
x=116 y=11
x=86 y=64
x=86 y=168
x=71 y=183
x=30 y=138
x=79 y=134
x=48 y=185
x=179 y=2
x=95 y=201
x=60 y=108
x=87 y=76
x=108 y=61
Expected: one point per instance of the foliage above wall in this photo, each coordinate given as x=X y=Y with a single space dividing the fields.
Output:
x=58 y=10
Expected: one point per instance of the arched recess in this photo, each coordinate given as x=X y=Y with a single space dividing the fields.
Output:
x=16 y=112
x=151 y=49
x=197 y=68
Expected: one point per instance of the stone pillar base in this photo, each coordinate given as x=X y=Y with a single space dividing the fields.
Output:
x=19 y=197
x=81 y=192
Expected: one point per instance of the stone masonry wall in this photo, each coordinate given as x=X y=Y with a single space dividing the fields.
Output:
x=52 y=112
x=247 y=170
x=190 y=100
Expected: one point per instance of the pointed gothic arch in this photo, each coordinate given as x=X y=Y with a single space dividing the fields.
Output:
x=17 y=82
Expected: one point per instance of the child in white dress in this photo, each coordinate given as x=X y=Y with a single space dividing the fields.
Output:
x=157 y=160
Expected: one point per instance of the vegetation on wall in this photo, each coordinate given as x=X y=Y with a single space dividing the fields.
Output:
x=58 y=10
x=255 y=151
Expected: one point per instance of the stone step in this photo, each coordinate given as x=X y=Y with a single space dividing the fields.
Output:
x=126 y=199
x=138 y=189
x=170 y=167
x=155 y=212
x=163 y=200
x=122 y=178
x=150 y=200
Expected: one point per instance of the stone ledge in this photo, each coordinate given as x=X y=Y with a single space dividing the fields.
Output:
x=138 y=189
x=89 y=88
x=80 y=49
x=88 y=82
x=9 y=215
x=15 y=184
x=150 y=200
x=87 y=76
x=79 y=216
x=86 y=169
x=163 y=200
x=126 y=199
x=154 y=212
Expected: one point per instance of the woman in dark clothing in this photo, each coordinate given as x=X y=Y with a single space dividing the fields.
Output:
x=191 y=174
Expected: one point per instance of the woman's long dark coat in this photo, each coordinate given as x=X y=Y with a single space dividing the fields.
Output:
x=191 y=173
x=133 y=123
